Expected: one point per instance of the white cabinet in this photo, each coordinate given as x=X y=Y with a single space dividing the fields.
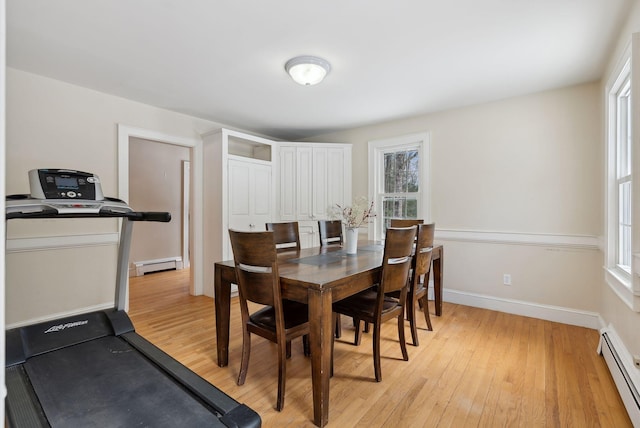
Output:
x=313 y=178
x=239 y=191
x=250 y=195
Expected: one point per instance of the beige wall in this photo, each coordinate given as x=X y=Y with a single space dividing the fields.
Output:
x=528 y=167
x=155 y=184
x=54 y=124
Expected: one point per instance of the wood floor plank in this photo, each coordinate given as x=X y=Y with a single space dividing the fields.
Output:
x=477 y=368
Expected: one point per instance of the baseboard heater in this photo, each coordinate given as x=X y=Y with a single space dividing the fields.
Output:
x=624 y=374
x=148 y=266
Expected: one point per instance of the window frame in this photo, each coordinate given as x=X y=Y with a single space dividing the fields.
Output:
x=377 y=149
x=622 y=280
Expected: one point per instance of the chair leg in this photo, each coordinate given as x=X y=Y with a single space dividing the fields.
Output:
x=282 y=373
x=336 y=319
x=306 y=345
x=403 y=343
x=288 y=346
x=244 y=362
x=338 y=324
x=425 y=308
x=411 y=316
x=376 y=352
x=358 y=335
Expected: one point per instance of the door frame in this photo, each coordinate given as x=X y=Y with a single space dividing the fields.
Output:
x=125 y=132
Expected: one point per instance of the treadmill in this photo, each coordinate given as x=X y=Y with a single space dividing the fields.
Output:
x=93 y=369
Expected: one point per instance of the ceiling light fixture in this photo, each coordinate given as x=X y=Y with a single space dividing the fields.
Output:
x=307 y=70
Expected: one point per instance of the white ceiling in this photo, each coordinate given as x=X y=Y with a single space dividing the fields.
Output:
x=223 y=60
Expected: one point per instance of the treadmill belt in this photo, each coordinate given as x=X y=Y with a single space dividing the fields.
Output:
x=107 y=383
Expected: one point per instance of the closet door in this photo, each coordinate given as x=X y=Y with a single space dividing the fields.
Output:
x=320 y=199
x=338 y=184
x=304 y=183
x=288 y=182
x=250 y=193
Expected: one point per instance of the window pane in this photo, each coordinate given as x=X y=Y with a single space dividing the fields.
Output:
x=389 y=173
x=624 y=228
x=401 y=172
x=398 y=207
x=413 y=171
x=624 y=133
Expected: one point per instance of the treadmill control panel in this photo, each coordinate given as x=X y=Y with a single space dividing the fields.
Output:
x=64 y=184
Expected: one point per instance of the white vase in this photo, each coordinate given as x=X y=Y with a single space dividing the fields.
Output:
x=351 y=240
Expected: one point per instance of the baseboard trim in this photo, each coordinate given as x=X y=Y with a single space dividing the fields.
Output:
x=517 y=307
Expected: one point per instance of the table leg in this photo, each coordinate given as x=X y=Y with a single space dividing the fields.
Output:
x=222 y=302
x=320 y=334
x=437 y=281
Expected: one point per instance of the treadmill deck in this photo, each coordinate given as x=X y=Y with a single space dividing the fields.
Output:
x=106 y=382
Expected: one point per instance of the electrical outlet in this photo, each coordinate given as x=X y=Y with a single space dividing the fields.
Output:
x=506 y=279
x=636 y=361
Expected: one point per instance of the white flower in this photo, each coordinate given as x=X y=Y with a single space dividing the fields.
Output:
x=359 y=213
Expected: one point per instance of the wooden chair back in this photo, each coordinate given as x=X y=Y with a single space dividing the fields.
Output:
x=255 y=258
x=423 y=251
x=396 y=261
x=405 y=222
x=285 y=235
x=330 y=232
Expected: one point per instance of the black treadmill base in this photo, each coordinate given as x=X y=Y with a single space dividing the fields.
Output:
x=110 y=381
x=105 y=382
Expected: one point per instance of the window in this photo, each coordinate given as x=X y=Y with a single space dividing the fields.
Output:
x=623 y=174
x=619 y=173
x=398 y=179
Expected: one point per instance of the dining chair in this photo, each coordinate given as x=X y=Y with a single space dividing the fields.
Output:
x=375 y=305
x=405 y=222
x=278 y=320
x=330 y=232
x=419 y=278
x=286 y=235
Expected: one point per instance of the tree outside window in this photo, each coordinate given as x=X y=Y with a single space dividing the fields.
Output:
x=398 y=179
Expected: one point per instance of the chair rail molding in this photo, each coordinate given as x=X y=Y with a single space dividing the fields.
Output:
x=19 y=245
x=586 y=242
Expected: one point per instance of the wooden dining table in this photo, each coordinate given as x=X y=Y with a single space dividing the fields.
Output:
x=318 y=277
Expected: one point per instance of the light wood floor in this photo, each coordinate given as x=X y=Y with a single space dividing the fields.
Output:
x=478 y=368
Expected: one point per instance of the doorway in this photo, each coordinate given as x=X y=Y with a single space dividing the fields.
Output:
x=157 y=173
x=126 y=136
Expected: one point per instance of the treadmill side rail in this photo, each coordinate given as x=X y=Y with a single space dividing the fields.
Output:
x=233 y=414
x=22 y=406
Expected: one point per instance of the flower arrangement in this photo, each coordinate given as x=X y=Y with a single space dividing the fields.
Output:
x=359 y=213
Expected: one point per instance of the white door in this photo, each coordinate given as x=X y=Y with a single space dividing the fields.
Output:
x=288 y=182
x=338 y=182
x=250 y=193
x=320 y=200
x=304 y=185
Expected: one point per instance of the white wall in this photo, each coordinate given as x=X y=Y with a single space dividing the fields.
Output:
x=516 y=188
x=55 y=124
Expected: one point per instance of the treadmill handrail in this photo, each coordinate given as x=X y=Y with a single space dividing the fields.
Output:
x=51 y=212
x=25 y=207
